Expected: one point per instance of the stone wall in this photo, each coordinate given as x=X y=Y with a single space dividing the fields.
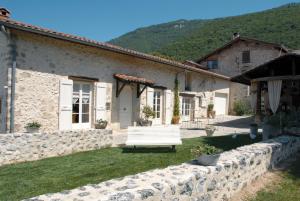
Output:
x=42 y=62
x=20 y=147
x=189 y=181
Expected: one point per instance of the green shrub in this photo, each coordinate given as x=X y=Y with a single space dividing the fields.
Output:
x=242 y=108
x=204 y=149
x=148 y=112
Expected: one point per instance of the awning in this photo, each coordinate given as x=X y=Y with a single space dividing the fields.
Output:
x=133 y=79
x=142 y=83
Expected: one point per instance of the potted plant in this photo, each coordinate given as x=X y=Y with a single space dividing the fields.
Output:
x=176 y=112
x=210 y=129
x=33 y=127
x=210 y=111
x=253 y=130
x=101 y=124
x=148 y=113
x=206 y=154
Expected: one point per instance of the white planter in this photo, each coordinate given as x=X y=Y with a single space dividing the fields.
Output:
x=32 y=130
x=208 y=160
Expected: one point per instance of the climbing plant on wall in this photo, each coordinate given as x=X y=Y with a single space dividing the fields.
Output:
x=176 y=111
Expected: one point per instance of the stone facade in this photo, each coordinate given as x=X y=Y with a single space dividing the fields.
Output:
x=21 y=147
x=230 y=64
x=189 y=181
x=42 y=62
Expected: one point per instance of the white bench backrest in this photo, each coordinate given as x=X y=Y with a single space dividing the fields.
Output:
x=154 y=135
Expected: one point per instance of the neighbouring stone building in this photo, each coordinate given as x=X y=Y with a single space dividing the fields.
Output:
x=237 y=56
x=68 y=82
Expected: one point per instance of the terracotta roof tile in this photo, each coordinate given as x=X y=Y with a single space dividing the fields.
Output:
x=77 y=39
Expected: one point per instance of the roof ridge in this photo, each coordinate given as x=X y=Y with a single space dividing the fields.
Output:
x=86 y=41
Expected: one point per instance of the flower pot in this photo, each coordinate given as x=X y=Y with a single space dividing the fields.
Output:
x=175 y=120
x=210 y=132
x=144 y=122
x=101 y=125
x=208 y=160
x=32 y=130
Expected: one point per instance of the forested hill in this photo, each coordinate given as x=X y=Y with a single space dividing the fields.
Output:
x=191 y=39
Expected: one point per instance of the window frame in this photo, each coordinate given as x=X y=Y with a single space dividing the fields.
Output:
x=212 y=64
x=81 y=94
x=186 y=106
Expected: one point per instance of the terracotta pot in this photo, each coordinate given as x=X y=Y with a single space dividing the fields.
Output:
x=175 y=120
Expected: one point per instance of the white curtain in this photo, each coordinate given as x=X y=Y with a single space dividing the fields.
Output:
x=274 y=91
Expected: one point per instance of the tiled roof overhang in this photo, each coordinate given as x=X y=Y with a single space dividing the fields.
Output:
x=133 y=79
x=106 y=46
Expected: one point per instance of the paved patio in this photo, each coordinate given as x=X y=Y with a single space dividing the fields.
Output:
x=225 y=125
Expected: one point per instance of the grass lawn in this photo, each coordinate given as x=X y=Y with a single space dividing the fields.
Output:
x=288 y=189
x=25 y=180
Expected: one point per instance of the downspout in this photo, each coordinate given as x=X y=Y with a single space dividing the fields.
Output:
x=13 y=53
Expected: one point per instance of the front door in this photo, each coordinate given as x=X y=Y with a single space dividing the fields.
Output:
x=81 y=110
x=125 y=109
x=157 y=107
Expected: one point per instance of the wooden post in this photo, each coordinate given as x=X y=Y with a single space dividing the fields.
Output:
x=258 y=103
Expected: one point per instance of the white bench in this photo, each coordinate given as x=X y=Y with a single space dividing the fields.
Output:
x=167 y=135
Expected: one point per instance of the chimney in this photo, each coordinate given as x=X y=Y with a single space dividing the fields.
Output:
x=4 y=13
x=235 y=35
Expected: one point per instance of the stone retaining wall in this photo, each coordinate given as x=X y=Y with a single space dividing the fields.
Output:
x=20 y=147
x=189 y=181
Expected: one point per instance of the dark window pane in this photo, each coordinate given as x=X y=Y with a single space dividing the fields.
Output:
x=85 y=118
x=246 y=57
x=85 y=108
x=75 y=108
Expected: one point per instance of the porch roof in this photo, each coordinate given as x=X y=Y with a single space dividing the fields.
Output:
x=133 y=79
x=284 y=67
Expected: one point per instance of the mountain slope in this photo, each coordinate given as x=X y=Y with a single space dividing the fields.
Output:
x=198 y=37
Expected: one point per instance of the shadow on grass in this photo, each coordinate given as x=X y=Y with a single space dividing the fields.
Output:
x=148 y=150
x=228 y=142
x=237 y=123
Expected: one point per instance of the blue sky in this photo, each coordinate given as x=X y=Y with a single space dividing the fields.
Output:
x=106 y=19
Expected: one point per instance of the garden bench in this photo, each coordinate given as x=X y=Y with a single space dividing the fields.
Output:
x=167 y=135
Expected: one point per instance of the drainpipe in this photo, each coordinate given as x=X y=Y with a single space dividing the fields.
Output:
x=13 y=85
x=13 y=53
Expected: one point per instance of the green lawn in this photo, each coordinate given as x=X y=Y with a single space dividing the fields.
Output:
x=288 y=188
x=30 y=179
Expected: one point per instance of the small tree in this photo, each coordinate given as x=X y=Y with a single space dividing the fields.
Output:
x=148 y=112
x=176 y=111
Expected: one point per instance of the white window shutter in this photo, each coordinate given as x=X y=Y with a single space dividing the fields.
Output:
x=150 y=94
x=101 y=101
x=168 y=106
x=65 y=104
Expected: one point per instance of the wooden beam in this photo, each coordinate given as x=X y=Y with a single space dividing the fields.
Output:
x=119 y=89
x=139 y=91
x=258 y=103
x=288 y=77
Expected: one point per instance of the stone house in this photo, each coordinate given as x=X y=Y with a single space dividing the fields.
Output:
x=237 y=56
x=68 y=82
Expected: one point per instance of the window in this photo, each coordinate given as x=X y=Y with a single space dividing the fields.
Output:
x=157 y=104
x=246 y=57
x=186 y=106
x=81 y=103
x=188 y=82
x=212 y=64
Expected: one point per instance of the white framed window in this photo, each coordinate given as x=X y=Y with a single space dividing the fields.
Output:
x=157 y=104
x=81 y=105
x=186 y=106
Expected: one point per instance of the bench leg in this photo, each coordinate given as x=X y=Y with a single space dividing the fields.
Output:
x=134 y=147
x=173 y=147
